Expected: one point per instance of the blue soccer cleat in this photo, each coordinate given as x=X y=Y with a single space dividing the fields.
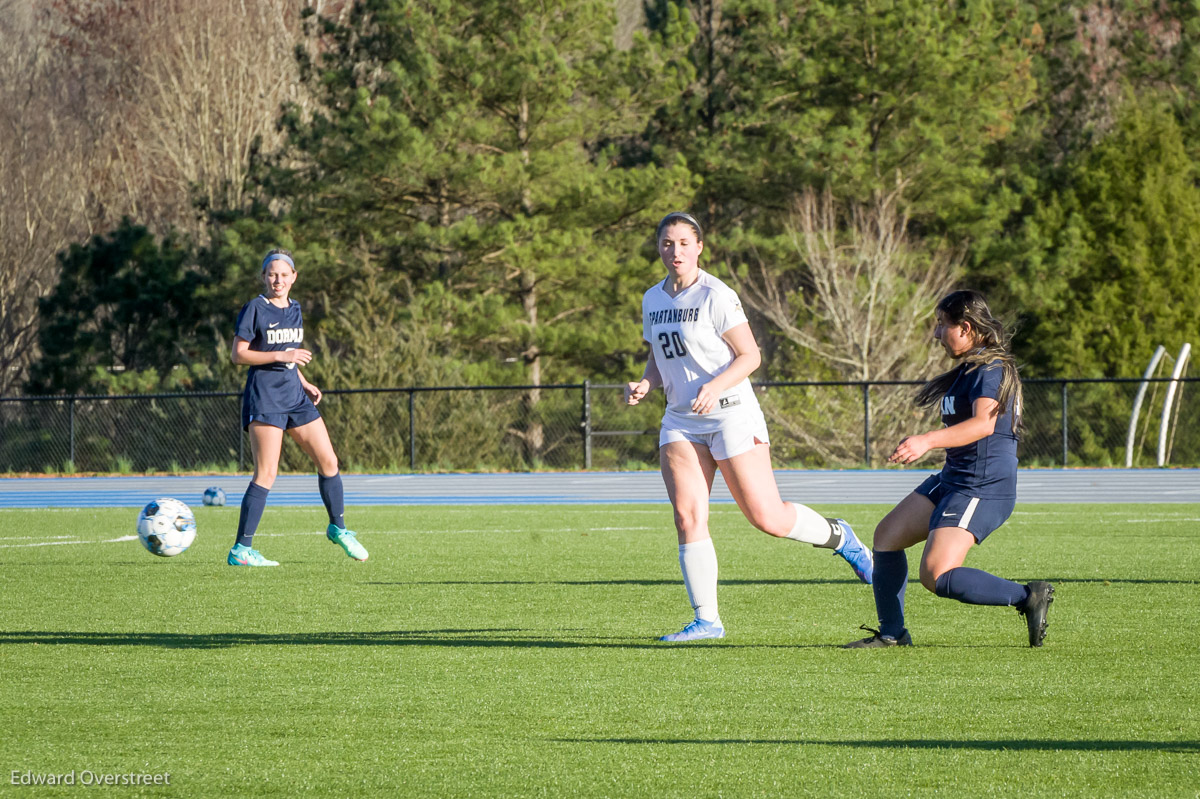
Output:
x=698 y=630
x=245 y=556
x=347 y=541
x=854 y=553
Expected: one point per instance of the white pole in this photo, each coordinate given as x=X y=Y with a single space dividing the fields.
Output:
x=1137 y=404
x=1176 y=373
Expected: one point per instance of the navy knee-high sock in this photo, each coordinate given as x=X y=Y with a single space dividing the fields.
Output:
x=253 y=502
x=977 y=587
x=333 y=497
x=889 y=580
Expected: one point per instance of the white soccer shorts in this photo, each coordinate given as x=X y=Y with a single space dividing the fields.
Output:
x=725 y=436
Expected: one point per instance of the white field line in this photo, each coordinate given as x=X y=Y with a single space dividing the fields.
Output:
x=480 y=531
x=38 y=537
x=287 y=535
x=1168 y=519
x=467 y=530
x=61 y=543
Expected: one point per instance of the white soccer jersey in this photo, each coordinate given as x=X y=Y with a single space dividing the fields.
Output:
x=685 y=334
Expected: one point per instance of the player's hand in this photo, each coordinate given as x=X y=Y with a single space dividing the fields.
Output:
x=706 y=399
x=313 y=393
x=909 y=449
x=635 y=391
x=300 y=357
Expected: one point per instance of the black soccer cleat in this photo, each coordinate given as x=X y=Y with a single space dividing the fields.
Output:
x=1041 y=594
x=878 y=640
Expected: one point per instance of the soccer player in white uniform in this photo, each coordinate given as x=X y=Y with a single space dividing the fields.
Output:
x=702 y=352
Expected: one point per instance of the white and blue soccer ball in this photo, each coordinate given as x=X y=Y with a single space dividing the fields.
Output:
x=166 y=527
x=214 y=496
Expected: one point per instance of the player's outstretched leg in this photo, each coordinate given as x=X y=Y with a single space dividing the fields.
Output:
x=825 y=533
x=854 y=553
x=1034 y=609
x=347 y=541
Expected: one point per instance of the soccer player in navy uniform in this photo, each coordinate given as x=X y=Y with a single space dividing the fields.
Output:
x=270 y=330
x=702 y=352
x=980 y=401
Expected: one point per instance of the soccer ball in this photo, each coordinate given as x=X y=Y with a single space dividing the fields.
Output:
x=166 y=527
x=214 y=496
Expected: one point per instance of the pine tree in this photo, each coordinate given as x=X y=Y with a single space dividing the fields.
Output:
x=482 y=147
x=126 y=302
x=1110 y=266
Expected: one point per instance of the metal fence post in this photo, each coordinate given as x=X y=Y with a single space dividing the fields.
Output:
x=241 y=436
x=71 y=426
x=412 y=431
x=586 y=424
x=1064 y=422
x=866 y=389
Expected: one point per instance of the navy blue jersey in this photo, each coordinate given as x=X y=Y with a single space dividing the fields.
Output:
x=273 y=387
x=986 y=468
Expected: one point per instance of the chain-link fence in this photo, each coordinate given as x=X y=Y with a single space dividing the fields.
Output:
x=1072 y=422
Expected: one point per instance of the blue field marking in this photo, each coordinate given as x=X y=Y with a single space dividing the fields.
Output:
x=816 y=488
x=114 y=499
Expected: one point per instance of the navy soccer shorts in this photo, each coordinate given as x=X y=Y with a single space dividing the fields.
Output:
x=284 y=421
x=978 y=516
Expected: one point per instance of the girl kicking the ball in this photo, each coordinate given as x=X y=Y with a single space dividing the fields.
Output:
x=955 y=510
x=277 y=399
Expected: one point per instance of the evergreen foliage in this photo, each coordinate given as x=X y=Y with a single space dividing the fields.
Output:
x=470 y=188
x=129 y=312
x=470 y=162
x=1109 y=267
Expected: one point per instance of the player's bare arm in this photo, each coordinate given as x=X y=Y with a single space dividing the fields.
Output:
x=242 y=355
x=651 y=379
x=981 y=425
x=746 y=359
x=310 y=389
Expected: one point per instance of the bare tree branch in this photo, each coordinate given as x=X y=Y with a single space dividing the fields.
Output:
x=861 y=303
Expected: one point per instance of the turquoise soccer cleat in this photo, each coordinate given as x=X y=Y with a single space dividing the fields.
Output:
x=245 y=556
x=347 y=541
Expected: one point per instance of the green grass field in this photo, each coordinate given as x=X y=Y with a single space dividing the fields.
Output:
x=509 y=651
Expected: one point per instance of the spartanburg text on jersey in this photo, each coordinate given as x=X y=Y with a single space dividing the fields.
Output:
x=684 y=333
x=986 y=468
x=273 y=387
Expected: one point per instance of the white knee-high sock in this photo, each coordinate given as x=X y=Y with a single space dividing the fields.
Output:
x=698 y=562
x=813 y=528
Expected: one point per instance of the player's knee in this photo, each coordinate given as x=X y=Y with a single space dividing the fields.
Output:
x=769 y=520
x=265 y=475
x=929 y=576
x=885 y=538
x=689 y=521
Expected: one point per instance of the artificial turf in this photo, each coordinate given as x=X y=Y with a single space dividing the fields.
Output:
x=510 y=651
